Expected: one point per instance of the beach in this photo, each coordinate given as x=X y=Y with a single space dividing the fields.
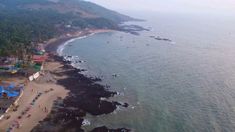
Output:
x=50 y=92
x=183 y=86
x=53 y=44
x=75 y=66
x=85 y=96
x=51 y=103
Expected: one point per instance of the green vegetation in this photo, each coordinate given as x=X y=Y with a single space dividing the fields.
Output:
x=19 y=29
x=22 y=26
x=97 y=10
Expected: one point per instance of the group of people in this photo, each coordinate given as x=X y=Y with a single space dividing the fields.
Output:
x=16 y=123
x=45 y=109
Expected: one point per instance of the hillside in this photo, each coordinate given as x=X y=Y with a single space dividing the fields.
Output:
x=77 y=7
x=25 y=22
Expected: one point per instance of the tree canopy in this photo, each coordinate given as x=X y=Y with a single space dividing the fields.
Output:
x=21 y=28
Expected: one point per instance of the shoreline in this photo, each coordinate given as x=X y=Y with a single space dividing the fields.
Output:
x=53 y=44
x=85 y=96
x=62 y=99
x=38 y=94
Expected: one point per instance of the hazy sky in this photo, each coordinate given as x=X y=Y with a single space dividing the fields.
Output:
x=171 y=5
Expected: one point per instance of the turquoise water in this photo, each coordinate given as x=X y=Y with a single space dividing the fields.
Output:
x=187 y=85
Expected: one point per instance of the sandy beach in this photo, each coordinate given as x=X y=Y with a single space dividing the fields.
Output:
x=52 y=44
x=39 y=109
x=46 y=85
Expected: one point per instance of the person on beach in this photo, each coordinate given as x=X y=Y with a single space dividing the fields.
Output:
x=29 y=115
x=45 y=109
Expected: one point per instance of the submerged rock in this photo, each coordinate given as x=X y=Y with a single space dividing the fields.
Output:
x=105 y=129
x=85 y=96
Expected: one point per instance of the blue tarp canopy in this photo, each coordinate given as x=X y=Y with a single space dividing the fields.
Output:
x=11 y=86
x=9 y=93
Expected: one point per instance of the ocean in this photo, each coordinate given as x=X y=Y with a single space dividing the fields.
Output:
x=183 y=85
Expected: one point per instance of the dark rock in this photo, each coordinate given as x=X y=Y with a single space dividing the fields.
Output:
x=105 y=129
x=84 y=97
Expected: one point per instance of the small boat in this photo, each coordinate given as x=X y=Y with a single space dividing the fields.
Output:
x=114 y=75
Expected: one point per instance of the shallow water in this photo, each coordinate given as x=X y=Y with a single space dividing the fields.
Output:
x=182 y=86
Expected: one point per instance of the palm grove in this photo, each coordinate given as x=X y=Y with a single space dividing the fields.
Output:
x=21 y=29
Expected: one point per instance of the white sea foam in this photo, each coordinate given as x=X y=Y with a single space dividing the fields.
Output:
x=72 y=59
x=86 y=122
x=61 y=47
x=102 y=98
x=116 y=110
x=121 y=94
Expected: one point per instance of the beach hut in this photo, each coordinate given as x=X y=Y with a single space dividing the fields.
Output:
x=39 y=58
x=8 y=68
x=37 y=67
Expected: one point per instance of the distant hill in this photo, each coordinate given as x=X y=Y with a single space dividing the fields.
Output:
x=101 y=11
x=26 y=22
x=77 y=7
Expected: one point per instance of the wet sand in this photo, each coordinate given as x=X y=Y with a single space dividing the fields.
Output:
x=54 y=43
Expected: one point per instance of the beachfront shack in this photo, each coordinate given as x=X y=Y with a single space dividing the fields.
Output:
x=30 y=68
x=39 y=49
x=39 y=58
x=7 y=65
x=8 y=60
x=38 y=61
